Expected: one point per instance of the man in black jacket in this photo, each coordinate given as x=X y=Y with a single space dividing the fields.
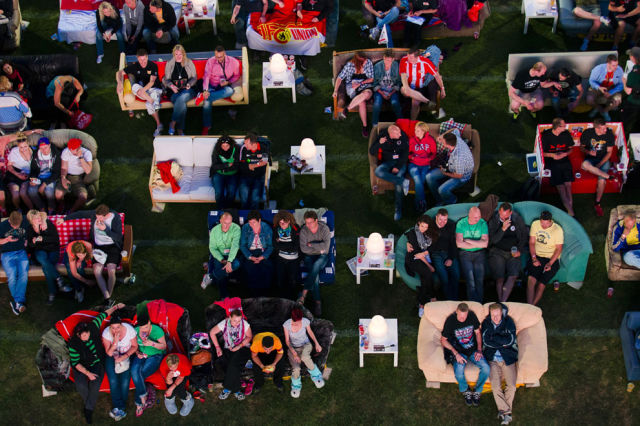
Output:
x=159 y=18
x=500 y=348
x=254 y=160
x=508 y=236
x=444 y=255
x=45 y=172
x=392 y=148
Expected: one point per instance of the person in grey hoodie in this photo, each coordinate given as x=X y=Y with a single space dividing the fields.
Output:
x=133 y=13
x=315 y=241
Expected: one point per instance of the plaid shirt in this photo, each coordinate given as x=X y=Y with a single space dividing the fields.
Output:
x=349 y=70
x=461 y=159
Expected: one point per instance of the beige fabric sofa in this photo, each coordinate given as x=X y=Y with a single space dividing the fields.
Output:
x=616 y=268
x=530 y=329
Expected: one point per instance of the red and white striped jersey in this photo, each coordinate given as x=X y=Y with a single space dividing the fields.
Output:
x=417 y=72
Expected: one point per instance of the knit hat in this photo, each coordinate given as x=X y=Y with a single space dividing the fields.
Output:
x=44 y=141
x=74 y=144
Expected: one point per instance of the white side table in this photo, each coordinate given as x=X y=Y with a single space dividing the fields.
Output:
x=268 y=82
x=533 y=9
x=390 y=345
x=212 y=9
x=365 y=263
x=318 y=165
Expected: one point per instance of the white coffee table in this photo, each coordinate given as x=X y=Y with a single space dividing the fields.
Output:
x=390 y=343
x=268 y=82
x=318 y=165
x=387 y=263
x=533 y=9
x=197 y=15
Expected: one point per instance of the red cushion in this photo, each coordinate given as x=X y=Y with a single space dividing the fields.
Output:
x=65 y=326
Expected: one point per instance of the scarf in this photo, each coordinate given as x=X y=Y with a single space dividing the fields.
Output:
x=284 y=233
x=229 y=332
x=424 y=241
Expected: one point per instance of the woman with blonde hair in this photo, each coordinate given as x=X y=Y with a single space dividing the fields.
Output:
x=14 y=110
x=76 y=257
x=43 y=241
x=179 y=80
x=18 y=172
x=422 y=150
x=357 y=75
x=109 y=25
x=286 y=246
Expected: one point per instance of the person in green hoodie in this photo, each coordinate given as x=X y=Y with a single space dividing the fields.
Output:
x=224 y=242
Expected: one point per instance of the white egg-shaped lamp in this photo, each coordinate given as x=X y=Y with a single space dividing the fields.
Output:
x=277 y=66
x=375 y=246
x=308 y=150
x=378 y=329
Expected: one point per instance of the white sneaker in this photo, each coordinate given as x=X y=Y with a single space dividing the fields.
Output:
x=99 y=59
x=80 y=296
x=405 y=187
x=374 y=33
x=206 y=281
x=158 y=131
x=441 y=113
x=319 y=382
x=295 y=392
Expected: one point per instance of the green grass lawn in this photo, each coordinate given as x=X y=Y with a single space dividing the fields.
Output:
x=586 y=380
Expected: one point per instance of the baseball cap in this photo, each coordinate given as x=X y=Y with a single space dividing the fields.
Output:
x=634 y=51
x=74 y=143
x=44 y=141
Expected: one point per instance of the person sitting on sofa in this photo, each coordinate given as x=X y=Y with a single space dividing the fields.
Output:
x=7 y=33
x=472 y=238
x=525 y=90
x=159 y=18
x=14 y=259
x=224 y=243
x=45 y=172
x=621 y=13
x=64 y=93
x=256 y=246
x=220 y=72
x=152 y=346
x=462 y=342
x=567 y=97
x=175 y=369
x=508 y=237
x=10 y=70
x=120 y=343
x=76 y=257
x=107 y=236
x=133 y=13
x=357 y=76
x=500 y=349
x=286 y=245
x=597 y=144
x=392 y=148
x=14 y=110
x=386 y=86
x=297 y=332
x=315 y=241
x=626 y=239
x=556 y=147
x=76 y=163
x=420 y=239
x=546 y=239
x=605 y=87
x=422 y=150
x=266 y=354
x=444 y=180
x=385 y=12
x=179 y=79
x=444 y=255
x=420 y=13
x=145 y=84
x=586 y=9
x=108 y=25
x=18 y=171
x=236 y=335
x=44 y=242
x=254 y=160
x=421 y=80
x=225 y=160
x=87 y=357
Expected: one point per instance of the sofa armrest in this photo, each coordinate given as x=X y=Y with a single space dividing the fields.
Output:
x=245 y=75
x=533 y=356
x=128 y=247
x=430 y=350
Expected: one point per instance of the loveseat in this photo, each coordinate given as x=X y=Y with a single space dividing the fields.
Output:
x=617 y=269
x=408 y=126
x=128 y=101
x=268 y=314
x=531 y=335
x=193 y=155
x=629 y=329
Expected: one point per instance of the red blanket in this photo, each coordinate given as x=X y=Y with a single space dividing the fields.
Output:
x=166 y=315
x=165 y=173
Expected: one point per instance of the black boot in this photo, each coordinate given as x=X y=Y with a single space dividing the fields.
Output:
x=88 y=416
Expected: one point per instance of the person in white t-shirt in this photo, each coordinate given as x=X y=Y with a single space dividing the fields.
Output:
x=77 y=162
x=18 y=171
x=45 y=172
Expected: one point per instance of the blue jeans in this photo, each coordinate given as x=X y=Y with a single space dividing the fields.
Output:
x=383 y=171
x=225 y=187
x=141 y=368
x=16 y=266
x=314 y=264
x=179 y=101
x=150 y=38
x=48 y=260
x=443 y=193
x=100 y=41
x=632 y=258
x=449 y=276
x=472 y=264
x=556 y=99
x=377 y=106
x=220 y=276
x=251 y=190
x=458 y=370
x=214 y=95
x=389 y=18
x=118 y=383
x=76 y=283
x=419 y=176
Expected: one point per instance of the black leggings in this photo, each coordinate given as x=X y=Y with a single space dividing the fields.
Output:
x=232 y=363
x=426 y=291
x=181 y=390
x=267 y=359
x=287 y=272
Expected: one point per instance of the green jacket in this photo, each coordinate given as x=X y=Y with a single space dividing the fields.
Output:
x=633 y=81
x=224 y=244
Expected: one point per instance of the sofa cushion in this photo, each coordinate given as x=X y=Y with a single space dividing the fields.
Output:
x=178 y=148
x=202 y=150
x=201 y=186
x=185 y=188
x=437 y=312
x=524 y=315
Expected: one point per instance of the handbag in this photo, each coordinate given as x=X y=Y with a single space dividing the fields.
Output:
x=122 y=366
x=79 y=120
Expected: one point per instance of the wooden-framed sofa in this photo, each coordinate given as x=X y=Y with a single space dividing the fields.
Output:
x=128 y=101
x=617 y=269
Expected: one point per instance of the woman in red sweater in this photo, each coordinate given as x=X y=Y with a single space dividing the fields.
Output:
x=422 y=149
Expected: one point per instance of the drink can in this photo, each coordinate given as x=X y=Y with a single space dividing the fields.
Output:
x=514 y=250
x=610 y=292
x=124 y=254
x=556 y=285
x=630 y=387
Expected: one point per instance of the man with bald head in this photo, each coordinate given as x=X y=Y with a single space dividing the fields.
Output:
x=472 y=238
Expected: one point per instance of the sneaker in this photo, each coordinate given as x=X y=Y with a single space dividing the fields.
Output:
x=80 y=296
x=99 y=59
x=506 y=419
x=117 y=414
x=441 y=113
x=342 y=116
x=157 y=131
x=405 y=187
x=239 y=396
x=50 y=299
x=60 y=282
x=318 y=381
x=248 y=389
x=224 y=394
x=295 y=392
x=476 y=398
x=374 y=33
x=206 y=281
x=14 y=307
x=66 y=289
x=515 y=116
x=598 y=209
x=605 y=20
x=420 y=311
x=468 y=398
x=365 y=131
x=585 y=45
x=171 y=131
x=20 y=307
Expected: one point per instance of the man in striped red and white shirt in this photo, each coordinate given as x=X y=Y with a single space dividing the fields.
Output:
x=421 y=80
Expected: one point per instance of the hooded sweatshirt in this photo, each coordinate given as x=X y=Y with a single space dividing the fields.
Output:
x=500 y=338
